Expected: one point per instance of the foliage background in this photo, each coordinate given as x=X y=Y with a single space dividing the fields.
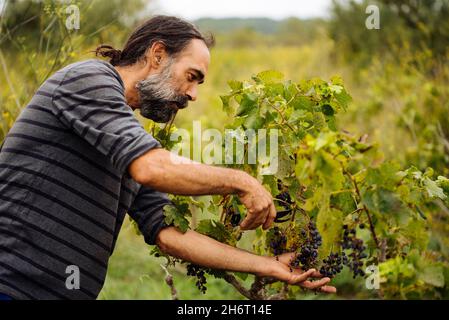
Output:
x=398 y=77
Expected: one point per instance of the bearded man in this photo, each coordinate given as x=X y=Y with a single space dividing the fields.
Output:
x=77 y=160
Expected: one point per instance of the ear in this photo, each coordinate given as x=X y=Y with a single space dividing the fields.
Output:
x=156 y=55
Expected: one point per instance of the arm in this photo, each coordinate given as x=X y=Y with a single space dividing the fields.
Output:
x=202 y=250
x=166 y=172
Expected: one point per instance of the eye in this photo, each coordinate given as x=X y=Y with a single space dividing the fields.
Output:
x=190 y=77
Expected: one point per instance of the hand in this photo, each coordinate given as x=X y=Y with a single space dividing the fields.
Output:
x=258 y=202
x=280 y=269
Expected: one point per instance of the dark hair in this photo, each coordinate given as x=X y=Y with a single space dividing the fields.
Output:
x=173 y=32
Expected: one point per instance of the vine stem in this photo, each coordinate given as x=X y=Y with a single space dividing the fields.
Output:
x=282 y=117
x=169 y=281
x=229 y=278
x=370 y=220
x=257 y=290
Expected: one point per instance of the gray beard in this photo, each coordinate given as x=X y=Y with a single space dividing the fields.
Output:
x=158 y=100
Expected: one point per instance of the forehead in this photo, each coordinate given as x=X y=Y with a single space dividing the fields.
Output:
x=196 y=56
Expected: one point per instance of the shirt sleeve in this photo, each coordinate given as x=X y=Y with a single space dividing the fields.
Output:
x=90 y=101
x=147 y=211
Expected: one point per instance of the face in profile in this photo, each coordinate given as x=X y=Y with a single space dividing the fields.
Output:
x=159 y=98
x=162 y=94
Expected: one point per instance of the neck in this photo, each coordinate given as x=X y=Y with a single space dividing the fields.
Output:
x=131 y=75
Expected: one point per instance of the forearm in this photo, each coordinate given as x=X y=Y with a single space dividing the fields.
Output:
x=204 y=251
x=163 y=171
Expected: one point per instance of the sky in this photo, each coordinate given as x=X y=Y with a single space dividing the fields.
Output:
x=275 y=9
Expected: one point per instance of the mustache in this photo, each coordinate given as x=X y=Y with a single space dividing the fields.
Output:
x=181 y=102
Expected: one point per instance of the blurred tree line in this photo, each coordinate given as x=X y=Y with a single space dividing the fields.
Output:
x=421 y=25
x=35 y=42
x=404 y=66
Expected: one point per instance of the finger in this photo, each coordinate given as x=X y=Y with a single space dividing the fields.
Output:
x=317 y=274
x=315 y=284
x=295 y=278
x=271 y=217
x=263 y=216
x=249 y=220
x=244 y=225
x=257 y=218
x=328 y=289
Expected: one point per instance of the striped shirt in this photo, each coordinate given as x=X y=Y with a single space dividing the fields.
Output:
x=65 y=188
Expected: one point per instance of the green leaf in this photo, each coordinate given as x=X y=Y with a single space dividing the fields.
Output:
x=215 y=230
x=433 y=189
x=175 y=217
x=235 y=85
x=270 y=76
x=385 y=176
x=343 y=99
x=302 y=103
x=329 y=170
x=382 y=200
x=226 y=105
x=344 y=202
x=335 y=88
x=443 y=183
x=329 y=224
x=274 y=89
x=432 y=275
x=248 y=103
x=332 y=123
x=254 y=120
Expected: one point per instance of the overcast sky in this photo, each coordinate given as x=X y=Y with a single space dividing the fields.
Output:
x=276 y=9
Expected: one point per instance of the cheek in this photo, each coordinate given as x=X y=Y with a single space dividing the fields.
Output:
x=179 y=81
x=180 y=85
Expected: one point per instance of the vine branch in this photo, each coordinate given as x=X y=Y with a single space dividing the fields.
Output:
x=169 y=281
x=370 y=220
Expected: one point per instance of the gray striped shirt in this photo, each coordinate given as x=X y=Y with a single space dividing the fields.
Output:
x=64 y=185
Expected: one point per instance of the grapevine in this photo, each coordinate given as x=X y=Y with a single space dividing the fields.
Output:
x=340 y=204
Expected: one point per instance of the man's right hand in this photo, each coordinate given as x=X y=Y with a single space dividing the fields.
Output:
x=258 y=201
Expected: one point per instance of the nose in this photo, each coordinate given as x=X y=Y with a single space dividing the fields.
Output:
x=192 y=93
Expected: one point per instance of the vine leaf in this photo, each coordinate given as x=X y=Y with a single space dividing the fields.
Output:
x=432 y=275
x=270 y=76
x=176 y=217
x=215 y=230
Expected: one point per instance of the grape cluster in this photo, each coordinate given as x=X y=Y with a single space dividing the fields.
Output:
x=232 y=216
x=278 y=241
x=199 y=273
x=333 y=264
x=357 y=248
x=308 y=254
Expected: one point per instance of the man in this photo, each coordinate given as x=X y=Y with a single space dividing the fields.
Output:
x=77 y=160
